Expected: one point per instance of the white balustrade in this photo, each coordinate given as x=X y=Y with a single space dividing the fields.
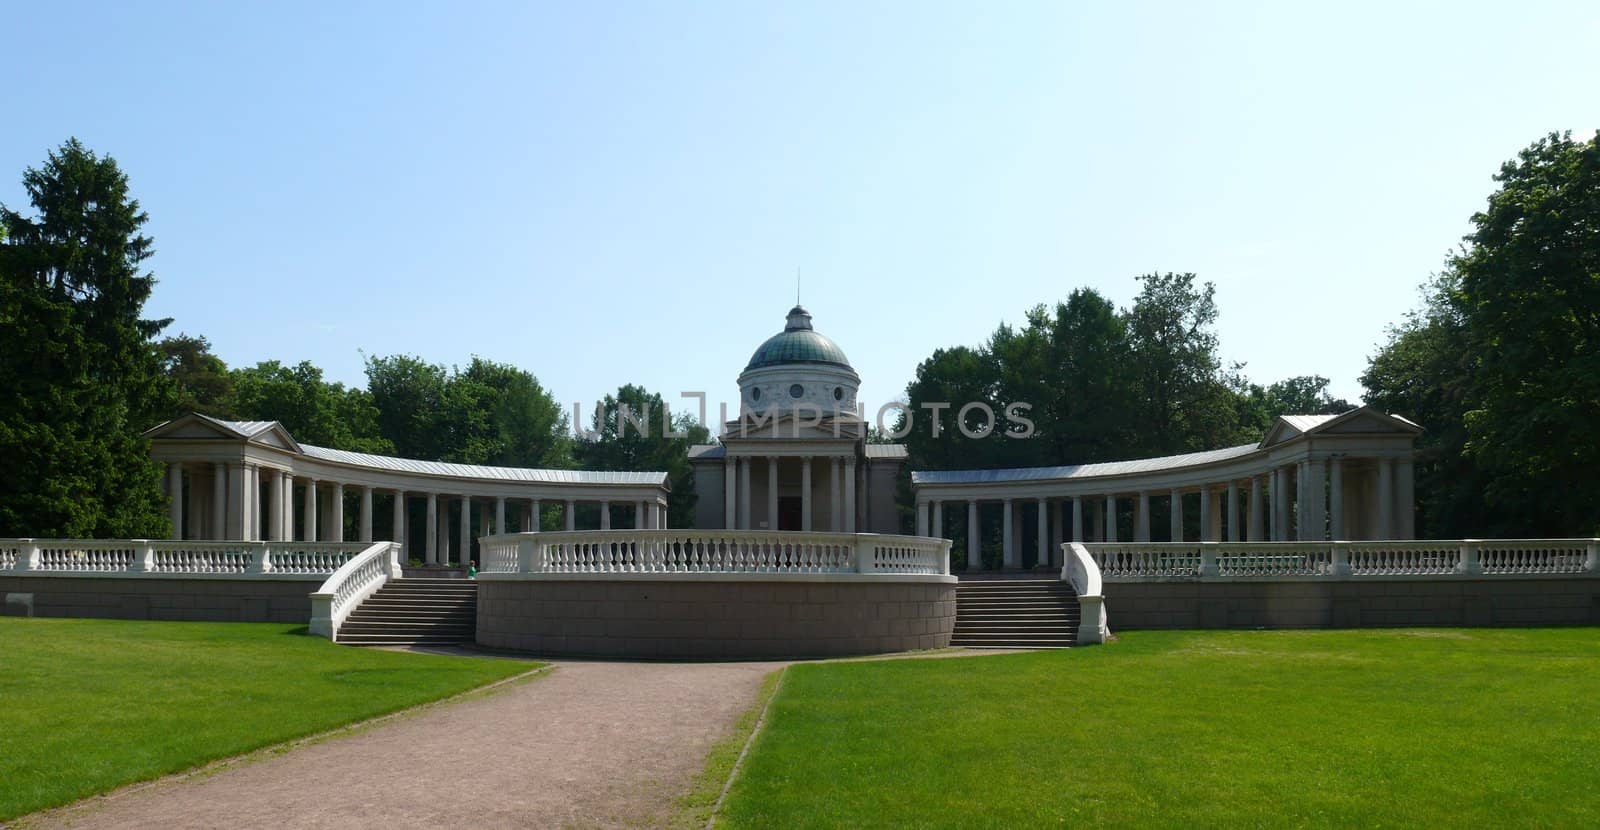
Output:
x=713 y=551
x=1079 y=568
x=1421 y=559
x=355 y=580
x=143 y=557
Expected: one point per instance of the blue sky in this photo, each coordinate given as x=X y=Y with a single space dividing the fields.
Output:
x=612 y=193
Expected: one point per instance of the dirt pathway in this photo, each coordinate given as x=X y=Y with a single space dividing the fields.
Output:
x=589 y=745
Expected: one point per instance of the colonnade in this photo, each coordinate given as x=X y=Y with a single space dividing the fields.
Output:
x=245 y=501
x=842 y=479
x=1314 y=499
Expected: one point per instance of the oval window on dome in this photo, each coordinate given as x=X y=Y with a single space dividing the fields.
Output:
x=755 y=393
x=796 y=391
x=838 y=393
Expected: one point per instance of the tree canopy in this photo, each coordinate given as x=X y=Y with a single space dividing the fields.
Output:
x=1503 y=359
x=82 y=378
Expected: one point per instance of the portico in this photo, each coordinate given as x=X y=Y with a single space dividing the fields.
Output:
x=1311 y=477
x=797 y=457
x=250 y=480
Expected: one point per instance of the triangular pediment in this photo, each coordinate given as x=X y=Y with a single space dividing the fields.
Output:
x=197 y=427
x=1364 y=420
x=789 y=428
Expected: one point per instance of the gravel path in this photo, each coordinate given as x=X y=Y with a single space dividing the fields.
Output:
x=589 y=744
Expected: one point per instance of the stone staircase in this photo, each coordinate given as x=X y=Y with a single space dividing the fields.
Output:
x=415 y=612
x=1015 y=612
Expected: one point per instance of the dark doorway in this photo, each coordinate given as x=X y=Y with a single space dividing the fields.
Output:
x=788 y=512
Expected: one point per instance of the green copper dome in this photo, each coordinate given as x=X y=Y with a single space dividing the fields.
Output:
x=798 y=344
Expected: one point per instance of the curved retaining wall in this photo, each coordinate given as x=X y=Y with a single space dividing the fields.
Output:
x=714 y=616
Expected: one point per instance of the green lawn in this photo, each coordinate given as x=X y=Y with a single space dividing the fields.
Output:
x=1462 y=728
x=88 y=705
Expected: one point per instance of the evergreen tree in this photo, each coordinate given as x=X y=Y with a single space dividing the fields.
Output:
x=81 y=374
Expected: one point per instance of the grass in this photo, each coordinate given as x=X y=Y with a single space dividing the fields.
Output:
x=90 y=705
x=694 y=808
x=1436 y=728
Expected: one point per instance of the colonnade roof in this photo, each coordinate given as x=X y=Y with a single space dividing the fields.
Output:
x=1360 y=422
x=273 y=435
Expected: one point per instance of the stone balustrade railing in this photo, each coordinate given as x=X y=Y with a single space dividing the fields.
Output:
x=146 y=557
x=713 y=552
x=1080 y=569
x=352 y=583
x=1466 y=558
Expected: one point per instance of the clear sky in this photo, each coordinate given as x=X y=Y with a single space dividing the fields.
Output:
x=622 y=192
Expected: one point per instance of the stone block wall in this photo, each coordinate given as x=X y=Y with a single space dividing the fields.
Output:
x=155 y=598
x=1353 y=604
x=714 y=620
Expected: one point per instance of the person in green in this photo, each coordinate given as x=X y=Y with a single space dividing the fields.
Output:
x=472 y=569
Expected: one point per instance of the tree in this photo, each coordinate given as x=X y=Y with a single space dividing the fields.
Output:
x=489 y=413
x=620 y=444
x=314 y=411
x=198 y=380
x=1426 y=372
x=1183 y=403
x=1529 y=298
x=76 y=358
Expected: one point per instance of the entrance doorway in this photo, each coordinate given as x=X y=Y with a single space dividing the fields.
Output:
x=788 y=512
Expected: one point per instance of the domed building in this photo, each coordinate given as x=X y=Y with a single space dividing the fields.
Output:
x=796 y=458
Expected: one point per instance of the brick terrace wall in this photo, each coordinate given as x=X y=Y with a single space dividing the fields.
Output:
x=1353 y=604
x=714 y=620
x=154 y=598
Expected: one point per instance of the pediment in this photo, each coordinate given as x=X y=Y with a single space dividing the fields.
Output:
x=1363 y=420
x=194 y=427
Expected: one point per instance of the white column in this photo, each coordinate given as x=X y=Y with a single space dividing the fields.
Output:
x=310 y=505
x=365 y=523
x=288 y=508
x=1280 y=505
x=1141 y=518
x=235 y=528
x=938 y=520
x=1257 y=518
x=745 y=522
x=850 y=495
x=219 y=502
x=1043 y=532
x=431 y=542
x=1405 y=508
x=730 y=492
x=1386 y=523
x=1077 y=520
x=569 y=516
x=1336 y=499
x=175 y=499
x=535 y=517
x=805 y=493
x=277 y=496
x=772 y=492
x=1007 y=549
x=465 y=531
x=638 y=516
x=1111 y=518
x=1208 y=527
x=499 y=515
x=835 y=497
x=1175 y=522
x=1313 y=501
x=336 y=514
x=252 y=522
x=397 y=530
x=974 y=554
x=605 y=515
x=922 y=517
